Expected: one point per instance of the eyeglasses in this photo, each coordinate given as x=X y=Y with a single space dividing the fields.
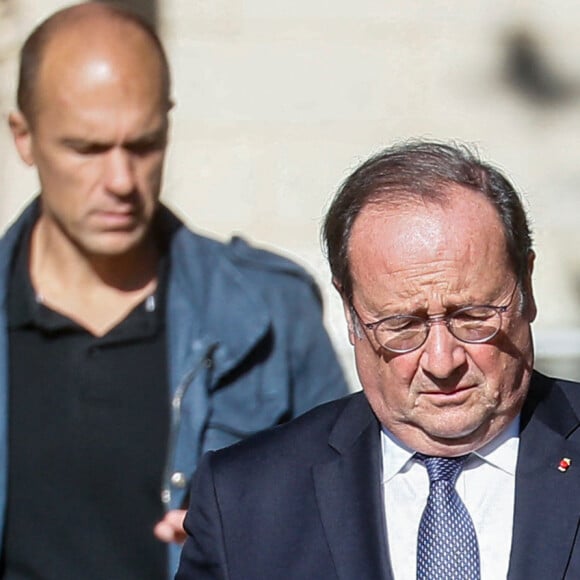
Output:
x=404 y=332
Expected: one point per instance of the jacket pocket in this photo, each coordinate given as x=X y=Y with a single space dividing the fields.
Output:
x=246 y=405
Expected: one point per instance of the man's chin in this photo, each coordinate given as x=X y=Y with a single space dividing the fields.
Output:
x=455 y=429
x=116 y=244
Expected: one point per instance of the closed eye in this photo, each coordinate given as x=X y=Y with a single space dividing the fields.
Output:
x=474 y=314
x=398 y=323
x=86 y=147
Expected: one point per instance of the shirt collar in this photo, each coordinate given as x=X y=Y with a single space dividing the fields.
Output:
x=501 y=452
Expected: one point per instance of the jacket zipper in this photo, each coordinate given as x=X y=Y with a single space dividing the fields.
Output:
x=205 y=362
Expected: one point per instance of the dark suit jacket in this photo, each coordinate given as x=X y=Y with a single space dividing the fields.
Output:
x=303 y=501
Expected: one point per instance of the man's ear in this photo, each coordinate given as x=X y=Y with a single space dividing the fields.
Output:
x=348 y=314
x=531 y=309
x=22 y=135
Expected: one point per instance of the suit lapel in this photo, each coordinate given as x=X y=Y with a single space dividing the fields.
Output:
x=546 y=498
x=348 y=492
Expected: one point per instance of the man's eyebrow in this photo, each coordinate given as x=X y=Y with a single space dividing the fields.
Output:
x=421 y=310
x=82 y=143
x=152 y=138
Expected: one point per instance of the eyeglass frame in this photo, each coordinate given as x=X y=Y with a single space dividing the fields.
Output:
x=428 y=321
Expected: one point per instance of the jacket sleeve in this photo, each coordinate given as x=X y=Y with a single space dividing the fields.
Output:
x=203 y=555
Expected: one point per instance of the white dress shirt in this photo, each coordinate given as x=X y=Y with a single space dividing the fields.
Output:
x=486 y=485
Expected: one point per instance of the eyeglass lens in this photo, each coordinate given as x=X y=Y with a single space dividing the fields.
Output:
x=472 y=324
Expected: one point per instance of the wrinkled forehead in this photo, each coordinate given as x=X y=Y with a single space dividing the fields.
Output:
x=455 y=241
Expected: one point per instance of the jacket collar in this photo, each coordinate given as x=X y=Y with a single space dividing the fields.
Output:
x=9 y=241
x=222 y=306
x=547 y=500
x=349 y=495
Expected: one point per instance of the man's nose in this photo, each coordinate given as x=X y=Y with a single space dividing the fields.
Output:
x=442 y=353
x=119 y=172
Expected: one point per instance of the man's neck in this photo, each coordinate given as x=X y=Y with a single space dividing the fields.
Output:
x=95 y=291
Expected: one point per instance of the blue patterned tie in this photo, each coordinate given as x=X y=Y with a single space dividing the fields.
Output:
x=447 y=544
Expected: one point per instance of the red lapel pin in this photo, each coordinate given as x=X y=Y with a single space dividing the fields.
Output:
x=564 y=464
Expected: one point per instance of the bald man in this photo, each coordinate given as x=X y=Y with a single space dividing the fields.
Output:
x=129 y=345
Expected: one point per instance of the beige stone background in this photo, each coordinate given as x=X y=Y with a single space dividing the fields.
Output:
x=278 y=101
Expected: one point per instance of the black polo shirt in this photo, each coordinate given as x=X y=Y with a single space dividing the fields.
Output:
x=88 y=433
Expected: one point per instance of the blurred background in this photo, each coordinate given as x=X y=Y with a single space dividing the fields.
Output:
x=277 y=102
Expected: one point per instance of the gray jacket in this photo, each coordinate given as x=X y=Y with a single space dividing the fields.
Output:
x=247 y=349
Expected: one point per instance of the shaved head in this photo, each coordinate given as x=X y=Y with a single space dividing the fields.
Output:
x=94 y=119
x=92 y=31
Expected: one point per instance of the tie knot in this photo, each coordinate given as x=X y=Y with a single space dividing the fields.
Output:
x=442 y=468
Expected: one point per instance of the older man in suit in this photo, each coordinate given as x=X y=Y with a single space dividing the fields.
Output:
x=457 y=460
